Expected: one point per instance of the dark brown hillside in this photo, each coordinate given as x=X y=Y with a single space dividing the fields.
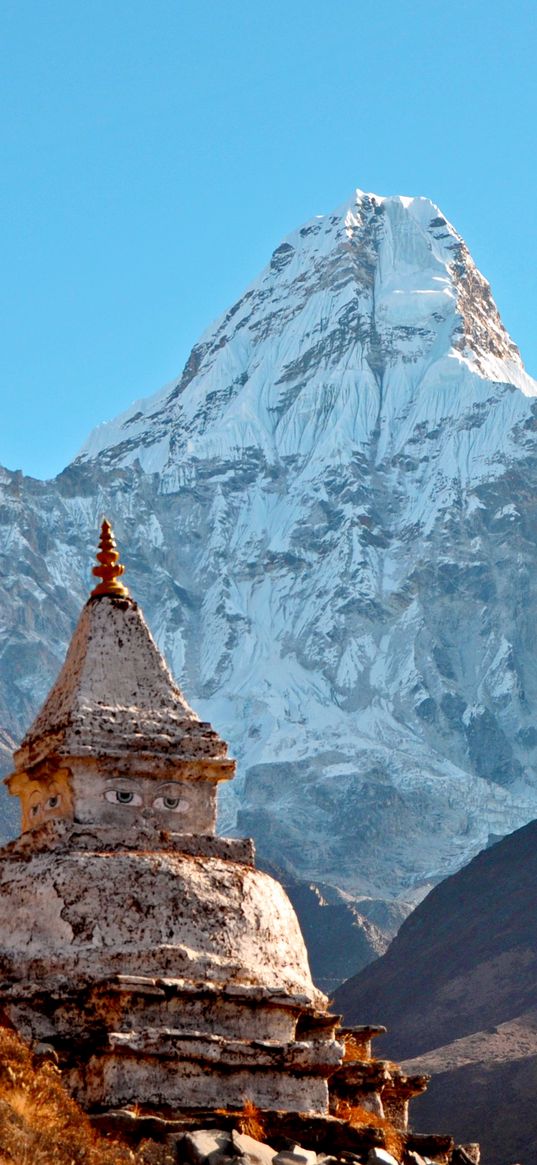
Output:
x=465 y=959
x=458 y=991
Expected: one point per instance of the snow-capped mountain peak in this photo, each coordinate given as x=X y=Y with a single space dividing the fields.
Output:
x=329 y=520
x=354 y=314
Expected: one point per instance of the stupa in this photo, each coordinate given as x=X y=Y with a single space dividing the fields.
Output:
x=165 y=973
x=163 y=968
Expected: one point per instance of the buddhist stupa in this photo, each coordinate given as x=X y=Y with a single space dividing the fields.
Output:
x=162 y=967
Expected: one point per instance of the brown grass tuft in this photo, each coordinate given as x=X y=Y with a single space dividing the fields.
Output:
x=360 y=1118
x=39 y=1122
x=251 y=1122
x=354 y=1050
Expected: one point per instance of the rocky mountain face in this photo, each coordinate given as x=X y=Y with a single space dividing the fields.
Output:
x=342 y=933
x=457 y=989
x=330 y=522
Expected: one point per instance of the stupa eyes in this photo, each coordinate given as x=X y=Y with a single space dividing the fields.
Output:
x=123 y=797
x=43 y=803
x=170 y=804
x=50 y=803
x=169 y=799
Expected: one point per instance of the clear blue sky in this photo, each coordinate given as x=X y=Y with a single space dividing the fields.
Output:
x=155 y=152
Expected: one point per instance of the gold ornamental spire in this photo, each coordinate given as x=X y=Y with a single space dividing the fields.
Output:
x=110 y=567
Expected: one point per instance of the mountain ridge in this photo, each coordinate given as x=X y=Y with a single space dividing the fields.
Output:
x=351 y=229
x=329 y=521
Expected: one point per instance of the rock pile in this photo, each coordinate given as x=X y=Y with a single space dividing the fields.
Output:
x=332 y=1142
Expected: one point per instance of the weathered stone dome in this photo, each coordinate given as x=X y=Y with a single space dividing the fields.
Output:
x=78 y=913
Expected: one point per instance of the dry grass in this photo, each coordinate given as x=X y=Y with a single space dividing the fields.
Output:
x=40 y=1124
x=248 y=1120
x=251 y=1121
x=361 y=1118
x=354 y=1050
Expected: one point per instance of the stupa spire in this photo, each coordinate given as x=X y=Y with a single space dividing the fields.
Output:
x=109 y=569
x=115 y=730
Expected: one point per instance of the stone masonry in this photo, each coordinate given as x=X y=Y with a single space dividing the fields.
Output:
x=164 y=972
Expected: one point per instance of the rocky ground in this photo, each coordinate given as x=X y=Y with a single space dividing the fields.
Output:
x=349 y=1146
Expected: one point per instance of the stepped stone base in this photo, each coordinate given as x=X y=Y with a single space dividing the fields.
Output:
x=162 y=969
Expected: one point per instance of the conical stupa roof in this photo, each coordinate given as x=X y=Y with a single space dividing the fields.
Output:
x=115 y=693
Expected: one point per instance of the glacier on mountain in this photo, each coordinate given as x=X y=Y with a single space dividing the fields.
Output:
x=329 y=519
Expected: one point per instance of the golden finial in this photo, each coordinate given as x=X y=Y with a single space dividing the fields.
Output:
x=110 y=568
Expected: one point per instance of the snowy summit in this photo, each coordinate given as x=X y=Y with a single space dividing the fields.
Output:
x=336 y=500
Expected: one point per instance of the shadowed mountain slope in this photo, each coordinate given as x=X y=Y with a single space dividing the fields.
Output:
x=457 y=990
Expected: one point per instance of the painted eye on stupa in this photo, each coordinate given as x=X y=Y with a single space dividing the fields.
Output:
x=123 y=797
x=171 y=804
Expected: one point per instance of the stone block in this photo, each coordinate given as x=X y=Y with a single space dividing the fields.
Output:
x=466 y=1155
x=254 y=1152
x=207 y=1147
x=296 y=1156
x=381 y=1157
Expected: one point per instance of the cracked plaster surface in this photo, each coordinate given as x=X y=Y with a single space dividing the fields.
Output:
x=152 y=913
